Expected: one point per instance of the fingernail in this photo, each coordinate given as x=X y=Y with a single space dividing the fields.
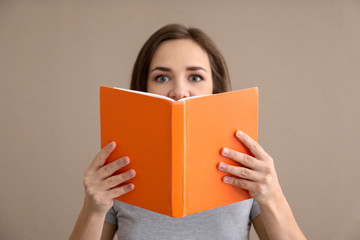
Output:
x=239 y=133
x=125 y=160
x=225 y=152
x=226 y=179
x=131 y=173
x=130 y=187
x=111 y=144
x=222 y=166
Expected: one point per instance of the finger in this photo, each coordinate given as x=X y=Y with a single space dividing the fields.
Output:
x=109 y=169
x=116 y=180
x=252 y=145
x=242 y=158
x=241 y=172
x=118 y=191
x=238 y=182
x=101 y=157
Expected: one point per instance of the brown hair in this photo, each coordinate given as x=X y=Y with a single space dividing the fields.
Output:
x=220 y=74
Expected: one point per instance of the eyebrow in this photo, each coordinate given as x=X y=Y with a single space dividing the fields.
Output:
x=190 y=68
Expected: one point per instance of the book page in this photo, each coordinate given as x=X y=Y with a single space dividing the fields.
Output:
x=159 y=96
x=146 y=93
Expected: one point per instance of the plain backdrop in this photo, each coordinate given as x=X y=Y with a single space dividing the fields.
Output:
x=303 y=55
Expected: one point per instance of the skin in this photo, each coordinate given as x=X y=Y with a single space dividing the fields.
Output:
x=180 y=69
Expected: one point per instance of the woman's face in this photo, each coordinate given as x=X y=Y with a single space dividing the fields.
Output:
x=180 y=69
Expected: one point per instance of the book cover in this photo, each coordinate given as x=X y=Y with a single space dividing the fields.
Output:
x=174 y=146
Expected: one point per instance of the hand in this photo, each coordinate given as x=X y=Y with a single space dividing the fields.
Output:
x=100 y=185
x=257 y=175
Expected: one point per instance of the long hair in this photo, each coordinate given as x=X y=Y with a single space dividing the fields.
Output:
x=219 y=71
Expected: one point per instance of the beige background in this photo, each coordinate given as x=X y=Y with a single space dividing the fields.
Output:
x=303 y=55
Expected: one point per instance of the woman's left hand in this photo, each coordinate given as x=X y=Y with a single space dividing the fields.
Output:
x=257 y=175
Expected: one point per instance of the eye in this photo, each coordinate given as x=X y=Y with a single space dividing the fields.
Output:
x=196 y=78
x=162 y=78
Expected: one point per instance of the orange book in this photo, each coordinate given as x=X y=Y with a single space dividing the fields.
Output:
x=174 y=146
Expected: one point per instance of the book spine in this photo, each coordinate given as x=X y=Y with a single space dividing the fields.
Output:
x=179 y=205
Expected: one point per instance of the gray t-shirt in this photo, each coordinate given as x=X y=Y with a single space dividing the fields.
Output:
x=227 y=222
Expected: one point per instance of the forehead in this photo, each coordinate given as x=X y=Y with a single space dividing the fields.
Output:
x=180 y=52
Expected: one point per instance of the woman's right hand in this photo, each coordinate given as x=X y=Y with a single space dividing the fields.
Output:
x=100 y=185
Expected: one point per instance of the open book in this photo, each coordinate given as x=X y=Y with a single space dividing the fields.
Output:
x=174 y=146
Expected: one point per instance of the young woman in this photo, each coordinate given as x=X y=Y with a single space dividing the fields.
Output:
x=180 y=62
